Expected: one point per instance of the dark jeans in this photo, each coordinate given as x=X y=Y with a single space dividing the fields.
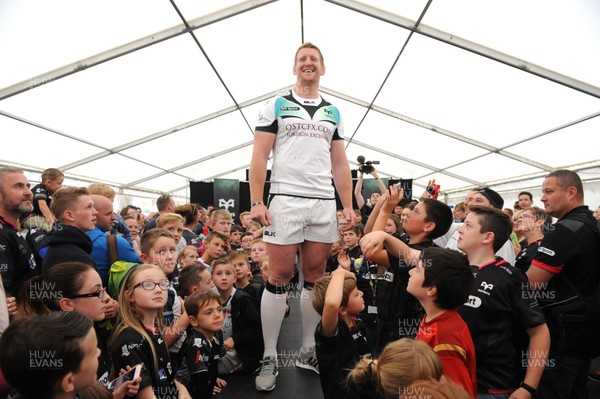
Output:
x=564 y=378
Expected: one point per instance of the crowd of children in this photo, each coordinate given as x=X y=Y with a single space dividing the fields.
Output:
x=398 y=314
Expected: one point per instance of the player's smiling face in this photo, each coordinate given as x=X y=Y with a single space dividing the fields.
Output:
x=308 y=64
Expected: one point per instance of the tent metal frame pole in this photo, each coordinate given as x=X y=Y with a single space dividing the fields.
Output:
x=445 y=132
x=470 y=46
x=131 y=47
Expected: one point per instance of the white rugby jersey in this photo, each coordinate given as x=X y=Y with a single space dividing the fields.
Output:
x=301 y=152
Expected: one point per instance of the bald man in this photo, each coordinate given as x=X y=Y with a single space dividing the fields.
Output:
x=104 y=221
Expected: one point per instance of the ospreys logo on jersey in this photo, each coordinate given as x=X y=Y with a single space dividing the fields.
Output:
x=487 y=288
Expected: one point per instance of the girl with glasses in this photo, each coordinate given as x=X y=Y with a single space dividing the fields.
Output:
x=138 y=339
x=73 y=287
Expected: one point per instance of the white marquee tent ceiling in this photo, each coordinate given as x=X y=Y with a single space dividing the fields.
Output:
x=147 y=95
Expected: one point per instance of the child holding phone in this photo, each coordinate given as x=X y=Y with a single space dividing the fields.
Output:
x=138 y=339
x=130 y=375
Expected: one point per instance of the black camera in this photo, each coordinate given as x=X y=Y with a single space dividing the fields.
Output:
x=365 y=166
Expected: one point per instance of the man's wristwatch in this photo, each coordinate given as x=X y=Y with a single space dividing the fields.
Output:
x=529 y=389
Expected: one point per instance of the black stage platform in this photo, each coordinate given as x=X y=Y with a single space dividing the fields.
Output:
x=295 y=383
x=292 y=382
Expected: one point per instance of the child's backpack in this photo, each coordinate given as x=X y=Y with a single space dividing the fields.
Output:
x=118 y=271
x=118 y=268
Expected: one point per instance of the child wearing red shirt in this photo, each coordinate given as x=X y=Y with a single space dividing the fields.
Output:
x=442 y=281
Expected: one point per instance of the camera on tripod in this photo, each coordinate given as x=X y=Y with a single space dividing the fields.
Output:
x=365 y=166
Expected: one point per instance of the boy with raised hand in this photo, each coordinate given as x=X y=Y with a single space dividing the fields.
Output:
x=398 y=312
x=340 y=338
x=500 y=309
x=441 y=282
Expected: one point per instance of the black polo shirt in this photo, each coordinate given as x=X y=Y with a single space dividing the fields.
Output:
x=500 y=308
x=17 y=263
x=576 y=256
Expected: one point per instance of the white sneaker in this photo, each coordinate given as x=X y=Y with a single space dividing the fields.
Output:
x=308 y=360
x=267 y=376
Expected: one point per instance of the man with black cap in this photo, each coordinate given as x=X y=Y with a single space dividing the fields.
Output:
x=485 y=197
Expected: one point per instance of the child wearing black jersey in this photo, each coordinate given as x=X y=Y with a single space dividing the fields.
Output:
x=243 y=275
x=138 y=339
x=159 y=247
x=242 y=333
x=203 y=343
x=398 y=312
x=500 y=310
x=52 y=180
x=340 y=338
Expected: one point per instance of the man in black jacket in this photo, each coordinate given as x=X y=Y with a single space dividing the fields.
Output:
x=75 y=214
x=17 y=263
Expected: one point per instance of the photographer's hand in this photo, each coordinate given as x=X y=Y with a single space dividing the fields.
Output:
x=380 y=185
x=360 y=201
